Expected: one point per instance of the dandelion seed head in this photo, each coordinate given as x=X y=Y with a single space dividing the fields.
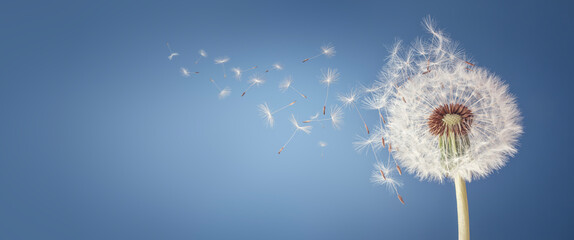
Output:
x=221 y=60
x=444 y=118
x=329 y=76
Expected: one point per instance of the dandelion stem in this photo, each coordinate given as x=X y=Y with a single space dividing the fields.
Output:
x=462 y=208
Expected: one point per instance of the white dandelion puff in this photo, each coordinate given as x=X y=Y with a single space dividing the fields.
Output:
x=329 y=76
x=202 y=54
x=222 y=61
x=256 y=80
x=305 y=129
x=266 y=113
x=328 y=50
x=446 y=117
x=287 y=84
x=171 y=52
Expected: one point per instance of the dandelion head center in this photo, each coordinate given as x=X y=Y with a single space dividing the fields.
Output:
x=453 y=118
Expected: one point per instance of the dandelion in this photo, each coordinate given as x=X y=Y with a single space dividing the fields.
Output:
x=238 y=72
x=287 y=84
x=202 y=54
x=327 y=50
x=256 y=80
x=223 y=93
x=335 y=116
x=447 y=119
x=171 y=52
x=222 y=61
x=329 y=76
x=267 y=114
x=349 y=100
x=305 y=129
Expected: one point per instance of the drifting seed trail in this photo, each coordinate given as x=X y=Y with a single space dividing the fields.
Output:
x=327 y=50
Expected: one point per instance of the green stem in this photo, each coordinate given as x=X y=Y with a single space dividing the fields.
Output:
x=462 y=208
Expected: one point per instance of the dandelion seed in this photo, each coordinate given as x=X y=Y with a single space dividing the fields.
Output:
x=349 y=100
x=223 y=93
x=267 y=114
x=275 y=67
x=305 y=129
x=222 y=61
x=329 y=76
x=202 y=54
x=401 y=199
x=335 y=116
x=383 y=175
x=287 y=84
x=185 y=72
x=171 y=53
x=327 y=50
x=256 y=80
x=238 y=72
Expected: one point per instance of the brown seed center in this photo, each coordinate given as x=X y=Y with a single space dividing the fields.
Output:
x=455 y=118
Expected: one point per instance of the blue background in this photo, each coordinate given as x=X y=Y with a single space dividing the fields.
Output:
x=102 y=138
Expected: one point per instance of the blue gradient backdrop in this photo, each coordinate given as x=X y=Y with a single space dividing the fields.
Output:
x=102 y=138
